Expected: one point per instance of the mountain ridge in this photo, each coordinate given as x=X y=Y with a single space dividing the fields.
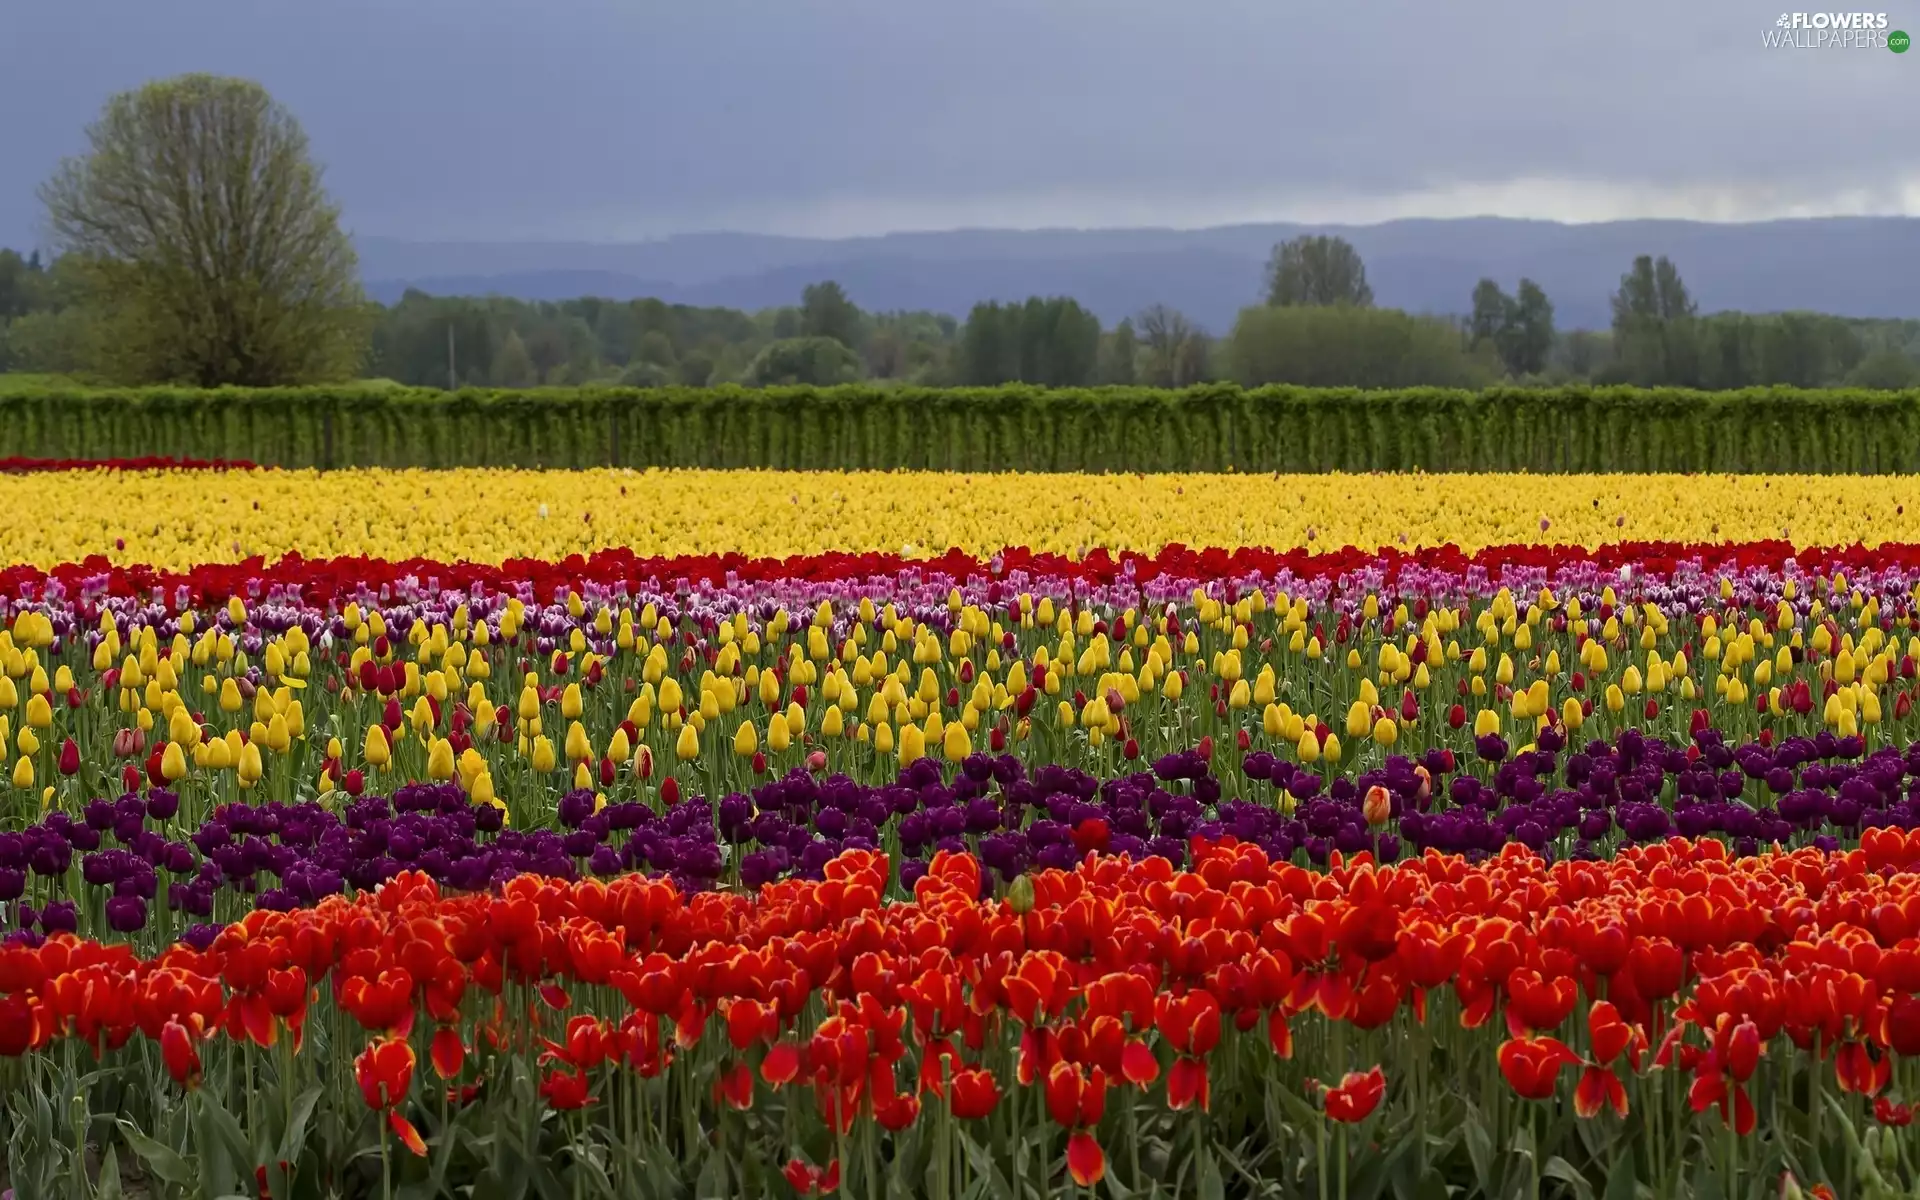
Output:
x=1850 y=266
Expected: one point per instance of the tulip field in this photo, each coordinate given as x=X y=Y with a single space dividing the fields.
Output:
x=687 y=834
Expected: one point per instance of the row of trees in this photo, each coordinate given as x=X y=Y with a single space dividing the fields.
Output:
x=195 y=244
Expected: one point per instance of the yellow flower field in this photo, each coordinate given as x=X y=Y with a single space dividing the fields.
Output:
x=177 y=519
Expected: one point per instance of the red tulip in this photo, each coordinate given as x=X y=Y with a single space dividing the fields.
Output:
x=1190 y=1023
x=69 y=757
x=1532 y=1065
x=782 y=1064
x=1599 y=1087
x=1075 y=1099
x=975 y=1094
x=384 y=1071
x=1538 y=1004
x=1607 y=1033
x=735 y=1087
x=896 y=1112
x=810 y=1180
x=448 y=1053
x=1086 y=1161
x=1357 y=1096
x=178 y=1053
x=569 y=1090
x=1856 y=1071
x=1188 y=1082
x=1743 y=1051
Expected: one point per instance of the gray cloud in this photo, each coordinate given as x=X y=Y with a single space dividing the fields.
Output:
x=601 y=118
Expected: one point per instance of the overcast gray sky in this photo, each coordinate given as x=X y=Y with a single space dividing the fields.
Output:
x=605 y=119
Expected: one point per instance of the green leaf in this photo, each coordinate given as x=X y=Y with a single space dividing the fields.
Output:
x=295 y=1138
x=1304 y=1114
x=1207 y=1178
x=1376 y=1170
x=158 y=1159
x=712 y=1184
x=984 y=1167
x=1621 y=1181
x=222 y=1146
x=1480 y=1153
x=492 y=1185
x=1559 y=1168
x=108 y=1187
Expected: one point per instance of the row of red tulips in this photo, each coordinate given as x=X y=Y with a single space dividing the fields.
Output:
x=1699 y=1018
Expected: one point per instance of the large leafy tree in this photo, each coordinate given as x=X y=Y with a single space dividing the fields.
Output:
x=212 y=255
x=1317 y=271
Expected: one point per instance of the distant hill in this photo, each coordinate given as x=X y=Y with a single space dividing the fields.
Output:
x=1851 y=266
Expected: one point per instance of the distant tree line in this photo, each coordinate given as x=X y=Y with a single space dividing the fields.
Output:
x=1318 y=328
x=193 y=243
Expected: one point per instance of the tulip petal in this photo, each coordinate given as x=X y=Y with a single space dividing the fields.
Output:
x=1086 y=1161
x=408 y=1135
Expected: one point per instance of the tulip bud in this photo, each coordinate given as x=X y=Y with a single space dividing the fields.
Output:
x=543 y=756
x=248 y=766
x=670 y=791
x=1378 y=806
x=69 y=757
x=440 y=759
x=956 y=744
x=377 y=751
x=1020 y=895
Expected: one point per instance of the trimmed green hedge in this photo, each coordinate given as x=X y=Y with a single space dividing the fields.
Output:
x=1215 y=428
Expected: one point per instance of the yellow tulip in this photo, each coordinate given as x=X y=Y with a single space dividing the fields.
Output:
x=250 y=768
x=542 y=756
x=440 y=764
x=956 y=743
x=377 y=751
